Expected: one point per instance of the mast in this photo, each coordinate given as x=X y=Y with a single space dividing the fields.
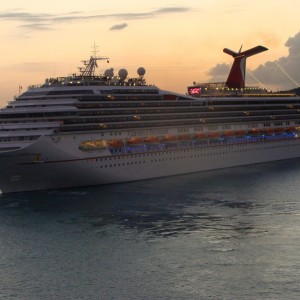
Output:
x=91 y=64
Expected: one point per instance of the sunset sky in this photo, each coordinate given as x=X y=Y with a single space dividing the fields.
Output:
x=177 y=42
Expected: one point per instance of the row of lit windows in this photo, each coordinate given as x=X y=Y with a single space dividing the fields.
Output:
x=82 y=127
x=183 y=106
x=150 y=111
x=199 y=144
x=18 y=139
x=283 y=143
x=56 y=114
x=127 y=103
x=243 y=101
x=140 y=117
x=154 y=117
x=157 y=104
x=276 y=124
x=191 y=156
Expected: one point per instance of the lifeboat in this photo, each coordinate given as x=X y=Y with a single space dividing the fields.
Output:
x=290 y=129
x=135 y=141
x=264 y=131
x=269 y=130
x=213 y=134
x=151 y=139
x=170 y=138
x=278 y=130
x=93 y=145
x=200 y=135
x=255 y=131
x=184 y=137
x=115 y=143
x=241 y=132
x=228 y=133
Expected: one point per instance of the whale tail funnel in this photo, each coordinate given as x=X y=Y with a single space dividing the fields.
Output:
x=236 y=77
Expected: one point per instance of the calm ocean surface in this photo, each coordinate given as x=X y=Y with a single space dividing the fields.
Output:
x=227 y=234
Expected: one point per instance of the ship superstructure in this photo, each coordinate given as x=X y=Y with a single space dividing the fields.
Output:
x=87 y=129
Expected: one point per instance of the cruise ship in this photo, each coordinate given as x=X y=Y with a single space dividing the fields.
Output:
x=88 y=129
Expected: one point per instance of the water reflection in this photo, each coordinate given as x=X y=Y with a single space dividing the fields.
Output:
x=224 y=200
x=225 y=234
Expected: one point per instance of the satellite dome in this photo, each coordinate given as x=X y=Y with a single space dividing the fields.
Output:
x=109 y=72
x=141 y=71
x=123 y=74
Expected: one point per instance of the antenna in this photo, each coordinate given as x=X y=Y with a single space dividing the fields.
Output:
x=91 y=64
x=95 y=51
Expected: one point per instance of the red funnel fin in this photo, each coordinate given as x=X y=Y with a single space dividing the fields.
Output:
x=236 y=77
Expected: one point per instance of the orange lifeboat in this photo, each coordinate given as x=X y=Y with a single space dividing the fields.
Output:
x=184 y=137
x=278 y=130
x=241 y=132
x=135 y=141
x=115 y=143
x=213 y=134
x=151 y=139
x=200 y=135
x=228 y=133
x=93 y=145
x=289 y=129
x=170 y=138
x=269 y=130
x=255 y=130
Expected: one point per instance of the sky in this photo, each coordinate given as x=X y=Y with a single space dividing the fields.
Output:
x=177 y=42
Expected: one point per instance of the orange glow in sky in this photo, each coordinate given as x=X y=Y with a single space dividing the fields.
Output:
x=177 y=42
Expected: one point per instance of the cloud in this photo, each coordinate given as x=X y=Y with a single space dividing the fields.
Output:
x=168 y=10
x=24 y=17
x=48 y=21
x=37 y=26
x=282 y=73
x=285 y=71
x=30 y=67
x=118 y=27
x=219 y=72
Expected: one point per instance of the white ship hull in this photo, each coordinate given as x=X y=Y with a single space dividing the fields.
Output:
x=85 y=130
x=54 y=162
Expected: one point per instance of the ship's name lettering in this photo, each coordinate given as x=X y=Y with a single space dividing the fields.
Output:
x=147 y=132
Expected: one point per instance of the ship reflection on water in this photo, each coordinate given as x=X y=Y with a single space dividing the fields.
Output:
x=220 y=201
x=227 y=234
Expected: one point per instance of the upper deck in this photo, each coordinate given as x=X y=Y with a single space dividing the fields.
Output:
x=219 y=89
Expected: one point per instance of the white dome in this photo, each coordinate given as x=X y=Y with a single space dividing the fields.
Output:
x=109 y=72
x=123 y=74
x=141 y=71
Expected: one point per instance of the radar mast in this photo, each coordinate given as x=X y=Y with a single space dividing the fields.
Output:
x=91 y=64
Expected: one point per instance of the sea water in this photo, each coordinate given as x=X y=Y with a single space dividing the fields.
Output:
x=226 y=234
